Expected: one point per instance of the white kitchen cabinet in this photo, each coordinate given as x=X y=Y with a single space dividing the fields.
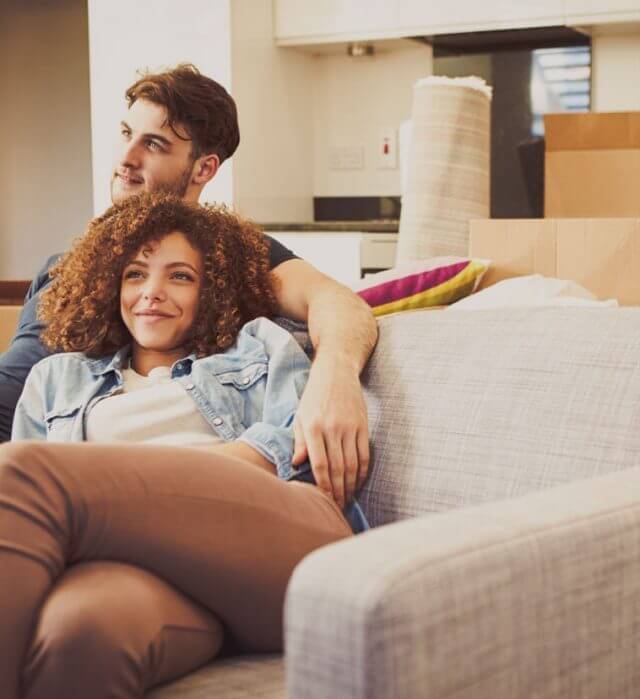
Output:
x=378 y=251
x=595 y=12
x=343 y=256
x=335 y=254
x=326 y=21
x=321 y=21
x=470 y=15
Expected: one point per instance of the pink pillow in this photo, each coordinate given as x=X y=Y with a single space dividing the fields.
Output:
x=437 y=281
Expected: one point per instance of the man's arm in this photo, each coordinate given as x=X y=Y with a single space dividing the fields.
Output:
x=25 y=350
x=331 y=422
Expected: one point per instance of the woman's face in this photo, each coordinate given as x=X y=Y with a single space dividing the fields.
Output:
x=159 y=293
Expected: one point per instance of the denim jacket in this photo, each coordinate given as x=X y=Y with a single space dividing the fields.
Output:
x=248 y=393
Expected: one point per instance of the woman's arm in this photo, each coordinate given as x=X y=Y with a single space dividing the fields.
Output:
x=28 y=420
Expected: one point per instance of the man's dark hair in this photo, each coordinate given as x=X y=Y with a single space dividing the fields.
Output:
x=197 y=103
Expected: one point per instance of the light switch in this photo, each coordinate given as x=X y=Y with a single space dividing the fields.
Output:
x=346 y=158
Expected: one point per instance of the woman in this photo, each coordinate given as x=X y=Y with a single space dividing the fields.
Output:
x=131 y=563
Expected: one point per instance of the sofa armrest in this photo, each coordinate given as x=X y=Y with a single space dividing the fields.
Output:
x=535 y=596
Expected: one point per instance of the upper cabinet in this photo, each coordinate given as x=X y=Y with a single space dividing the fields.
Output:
x=328 y=21
x=595 y=12
x=334 y=20
x=469 y=15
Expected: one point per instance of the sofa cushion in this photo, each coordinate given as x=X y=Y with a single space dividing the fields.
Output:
x=235 y=677
x=475 y=406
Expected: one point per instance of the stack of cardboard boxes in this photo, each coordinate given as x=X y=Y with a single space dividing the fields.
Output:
x=592 y=165
x=591 y=230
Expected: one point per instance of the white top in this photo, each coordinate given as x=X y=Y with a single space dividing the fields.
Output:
x=153 y=409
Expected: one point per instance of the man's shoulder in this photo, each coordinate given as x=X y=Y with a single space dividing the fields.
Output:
x=42 y=278
x=50 y=262
x=53 y=259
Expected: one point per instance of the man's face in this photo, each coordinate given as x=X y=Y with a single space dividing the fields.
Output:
x=151 y=157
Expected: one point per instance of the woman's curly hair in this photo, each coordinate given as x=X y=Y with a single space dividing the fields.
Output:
x=82 y=305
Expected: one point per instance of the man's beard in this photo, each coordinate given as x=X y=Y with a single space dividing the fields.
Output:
x=177 y=187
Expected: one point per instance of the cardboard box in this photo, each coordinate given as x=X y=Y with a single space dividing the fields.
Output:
x=592 y=165
x=603 y=255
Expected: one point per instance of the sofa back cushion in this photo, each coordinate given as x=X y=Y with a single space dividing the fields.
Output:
x=475 y=406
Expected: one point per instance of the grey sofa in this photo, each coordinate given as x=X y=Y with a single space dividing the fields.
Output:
x=505 y=494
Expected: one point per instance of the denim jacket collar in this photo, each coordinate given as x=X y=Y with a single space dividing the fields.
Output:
x=103 y=365
x=120 y=360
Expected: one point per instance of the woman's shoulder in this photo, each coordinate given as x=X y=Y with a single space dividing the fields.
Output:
x=61 y=359
x=257 y=341
x=259 y=326
x=64 y=362
x=267 y=331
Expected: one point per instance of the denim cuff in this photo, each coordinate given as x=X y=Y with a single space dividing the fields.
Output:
x=274 y=443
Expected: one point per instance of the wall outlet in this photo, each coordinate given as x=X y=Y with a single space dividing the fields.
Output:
x=387 y=149
x=346 y=158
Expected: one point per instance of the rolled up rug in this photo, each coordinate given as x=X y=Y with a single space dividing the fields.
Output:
x=447 y=181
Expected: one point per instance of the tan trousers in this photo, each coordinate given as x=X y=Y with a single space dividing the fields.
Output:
x=122 y=567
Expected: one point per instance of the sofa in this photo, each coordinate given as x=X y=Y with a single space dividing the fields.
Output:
x=504 y=492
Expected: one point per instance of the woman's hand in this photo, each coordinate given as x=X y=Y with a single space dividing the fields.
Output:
x=330 y=429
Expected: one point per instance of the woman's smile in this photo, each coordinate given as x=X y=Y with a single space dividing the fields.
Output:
x=159 y=297
x=153 y=314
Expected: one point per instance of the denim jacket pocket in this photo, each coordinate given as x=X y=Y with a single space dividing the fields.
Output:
x=60 y=423
x=244 y=391
x=244 y=378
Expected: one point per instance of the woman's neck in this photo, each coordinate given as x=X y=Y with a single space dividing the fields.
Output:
x=144 y=360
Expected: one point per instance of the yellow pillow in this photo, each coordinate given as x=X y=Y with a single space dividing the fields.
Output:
x=437 y=281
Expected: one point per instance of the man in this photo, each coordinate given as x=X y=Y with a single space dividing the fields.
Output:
x=179 y=128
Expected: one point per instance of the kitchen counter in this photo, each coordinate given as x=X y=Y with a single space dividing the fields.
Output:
x=367 y=226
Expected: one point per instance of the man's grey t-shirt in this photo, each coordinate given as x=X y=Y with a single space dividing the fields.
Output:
x=26 y=348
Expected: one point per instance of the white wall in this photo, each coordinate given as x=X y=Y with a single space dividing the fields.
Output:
x=126 y=36
x=294 y=106
x=616 y=72
x=273 y=89
x=45 y=138
x=354 y=98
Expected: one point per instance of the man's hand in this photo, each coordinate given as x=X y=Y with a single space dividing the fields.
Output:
x=330 y=429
